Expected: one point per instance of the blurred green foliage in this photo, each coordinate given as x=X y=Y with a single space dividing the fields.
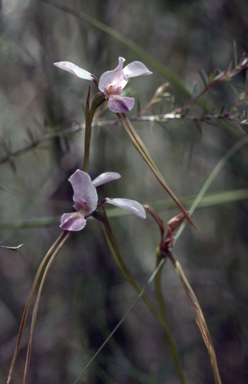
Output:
x=85 y=295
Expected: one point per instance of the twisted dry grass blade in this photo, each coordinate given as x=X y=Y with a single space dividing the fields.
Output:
x=199 y=317
x=168 y=335
x=62 y=239
x=143 y=151
x=38 y=275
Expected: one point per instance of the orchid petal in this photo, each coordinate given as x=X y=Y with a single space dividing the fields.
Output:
x=75 y=70
x=129 y=205
x=113 y=79
x=105 y=177
x=120 y=104
x=136 y=68
x=85 y=195
x=72 y=221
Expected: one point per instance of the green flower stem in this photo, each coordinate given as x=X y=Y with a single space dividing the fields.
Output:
x=55 y=248
x=169 y=337
x=89 y=116
x=143 y=151
x=114 y=248
x=161 y=319
x=120 y=322
x=199 y=317
x=64 y=238
x=87 y=134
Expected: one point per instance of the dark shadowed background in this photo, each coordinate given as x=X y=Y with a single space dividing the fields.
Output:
x=85 y=295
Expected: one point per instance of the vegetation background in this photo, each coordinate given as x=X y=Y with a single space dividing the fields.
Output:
x=85 y=295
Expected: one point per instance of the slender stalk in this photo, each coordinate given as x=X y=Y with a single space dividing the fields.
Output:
x=141 y=294
x=168 y=334
x=89 y=116
x=143 y=151
x=38 y=276
x=64 y=238
x=87 y=134
x=116 y=253
x=161 y=319
x=199 y=317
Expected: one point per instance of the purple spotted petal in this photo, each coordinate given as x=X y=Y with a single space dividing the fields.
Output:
x=129 y=205
x=114 y=79
x=85 y=196
x=105 y=177
x=75 y=70
x=72 y=221
x=136 y=68
x=120 y=104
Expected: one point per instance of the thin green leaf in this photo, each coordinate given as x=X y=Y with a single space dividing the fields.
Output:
x=210 y=199
x=236 y=147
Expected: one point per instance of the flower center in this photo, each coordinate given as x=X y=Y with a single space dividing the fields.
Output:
x=84 y=208
x=110 y=90
x=113 y=90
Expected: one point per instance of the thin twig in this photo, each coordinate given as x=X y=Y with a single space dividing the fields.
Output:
x=199 y=317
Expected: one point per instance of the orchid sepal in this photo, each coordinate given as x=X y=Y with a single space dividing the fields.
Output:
x=75 y=70
x=135 y=69
x=131 y=206
x=105 y=177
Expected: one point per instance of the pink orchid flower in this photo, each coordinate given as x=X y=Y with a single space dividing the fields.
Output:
x=85 y=200
x=111 y=83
